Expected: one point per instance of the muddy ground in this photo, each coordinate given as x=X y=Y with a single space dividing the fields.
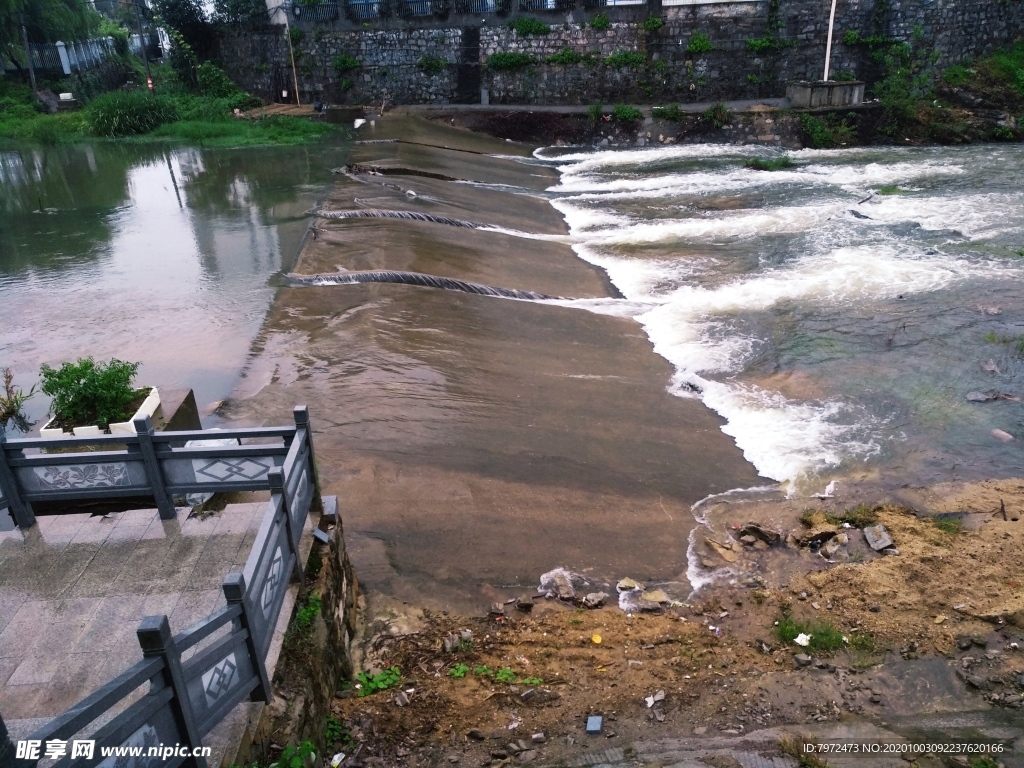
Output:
x=936 y=628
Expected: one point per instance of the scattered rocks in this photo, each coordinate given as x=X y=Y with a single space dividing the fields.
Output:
x=1002 y=436
x=524 y=603
x=476 y=734
x=595 y=600
x=766 y=535
x=802 y=660
x=878 y=537
x=964 y=642
x=628 y=585
x=990 y=395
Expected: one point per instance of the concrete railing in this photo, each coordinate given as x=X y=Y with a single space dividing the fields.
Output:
x=195 y=678
x=148 y=463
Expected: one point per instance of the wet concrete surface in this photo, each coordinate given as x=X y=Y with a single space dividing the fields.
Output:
x=475 y=441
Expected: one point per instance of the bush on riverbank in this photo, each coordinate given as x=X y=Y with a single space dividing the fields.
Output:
x=175 y=114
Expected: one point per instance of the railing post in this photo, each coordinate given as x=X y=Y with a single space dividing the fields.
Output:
x=144 y=430
x=276 y=479
x=301 y=415
x=21 y=509
x=155 y=637
x=234 y=593
x=65 y=62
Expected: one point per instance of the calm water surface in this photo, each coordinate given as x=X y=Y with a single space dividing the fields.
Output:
x=153 y=254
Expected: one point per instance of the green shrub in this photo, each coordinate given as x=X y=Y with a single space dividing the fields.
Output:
x=956 y=75
x=529 y=26
x=594 y=113
x=777 y=164
x=699 y=43
x=600 y=21
x=671 y=112
x=305 y=616
x=12 y=401
x=844 y=76
x=767 y=44
x=568 y=56
x=295 y=35
x=623 y=113
x=344 y=63
x=621 y=59
x=380 y=682
x=295 y=756
x=717 y=115
x=129 y=114
x=432 y=65
x=828 y=132
x=851 y=37
x=510 y=60
x=213 y=82
x=653 y=24
x=86 y=392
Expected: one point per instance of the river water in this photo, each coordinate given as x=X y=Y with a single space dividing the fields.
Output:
x=837 y=329
x=147 y=253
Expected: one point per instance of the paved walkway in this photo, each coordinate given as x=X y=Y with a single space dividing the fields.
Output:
x=74 y=589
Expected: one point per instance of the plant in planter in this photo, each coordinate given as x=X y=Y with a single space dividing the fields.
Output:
x=12 y=401
x=90 y=397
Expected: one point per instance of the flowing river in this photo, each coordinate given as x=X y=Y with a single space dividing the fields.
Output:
x=835 y=314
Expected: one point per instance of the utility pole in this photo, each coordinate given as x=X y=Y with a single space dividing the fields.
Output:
x=142 y=40
x=828 y=48
x=291 y=53
x=28 y=55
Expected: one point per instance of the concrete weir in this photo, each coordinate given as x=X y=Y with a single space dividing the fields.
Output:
x=470 y=441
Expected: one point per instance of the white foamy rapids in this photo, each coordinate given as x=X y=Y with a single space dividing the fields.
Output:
x=612 y=158
x=724 y=224
x=975 y=215
x=678 y=327
x=876 y=174
x=790 y=441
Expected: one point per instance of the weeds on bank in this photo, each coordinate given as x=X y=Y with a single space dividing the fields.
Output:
x=1016 y=343
x=860 y=516
x=305 y=616
x=369 y=684
x=295 y=755
x=12 y=401
x=824 y=636
x=950 y=525
x=794 y=748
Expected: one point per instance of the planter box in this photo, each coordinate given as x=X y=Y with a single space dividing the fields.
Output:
x=826 y=93
x=148 y=408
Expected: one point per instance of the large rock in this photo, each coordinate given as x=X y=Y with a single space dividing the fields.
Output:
x=878 y=537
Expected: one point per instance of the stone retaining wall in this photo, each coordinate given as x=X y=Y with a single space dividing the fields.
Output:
x=757 y=48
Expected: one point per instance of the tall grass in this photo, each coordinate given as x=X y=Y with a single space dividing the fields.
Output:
x=131 y=113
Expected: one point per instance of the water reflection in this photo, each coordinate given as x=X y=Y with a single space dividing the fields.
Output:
x=148 y=253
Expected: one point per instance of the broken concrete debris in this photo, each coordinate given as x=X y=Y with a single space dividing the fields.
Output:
x=594 y=724
x=878 y=537
x=595 y=600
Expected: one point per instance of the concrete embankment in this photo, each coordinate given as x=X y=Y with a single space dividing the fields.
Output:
x=476 y=441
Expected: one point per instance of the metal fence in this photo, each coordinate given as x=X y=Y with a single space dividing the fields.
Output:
x=196 y=677
x=63 y=58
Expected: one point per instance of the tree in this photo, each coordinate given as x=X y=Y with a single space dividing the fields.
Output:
x=190 y=20
x=249 y=13
x=46 y=22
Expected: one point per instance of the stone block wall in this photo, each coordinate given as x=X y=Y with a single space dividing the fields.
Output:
x=736 y=68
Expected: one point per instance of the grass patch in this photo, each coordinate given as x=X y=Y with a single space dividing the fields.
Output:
x=824 y=636
x=594 y=112
x=510 y=61
x=860 y=516
x=307 y=614
x=1016 y=343
x=569 y=56
x=829 y=132
x=699 y=43
x=623 y=113
x=273 y=131
x=950 y=525
x=892 y=189
x=458 y=671
x=343 y=63
x=653 y=24
x=775 y=164
x=529 y=26
x=600 y=21
x=622 y=59
x=717 y=115
x=671 y=112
